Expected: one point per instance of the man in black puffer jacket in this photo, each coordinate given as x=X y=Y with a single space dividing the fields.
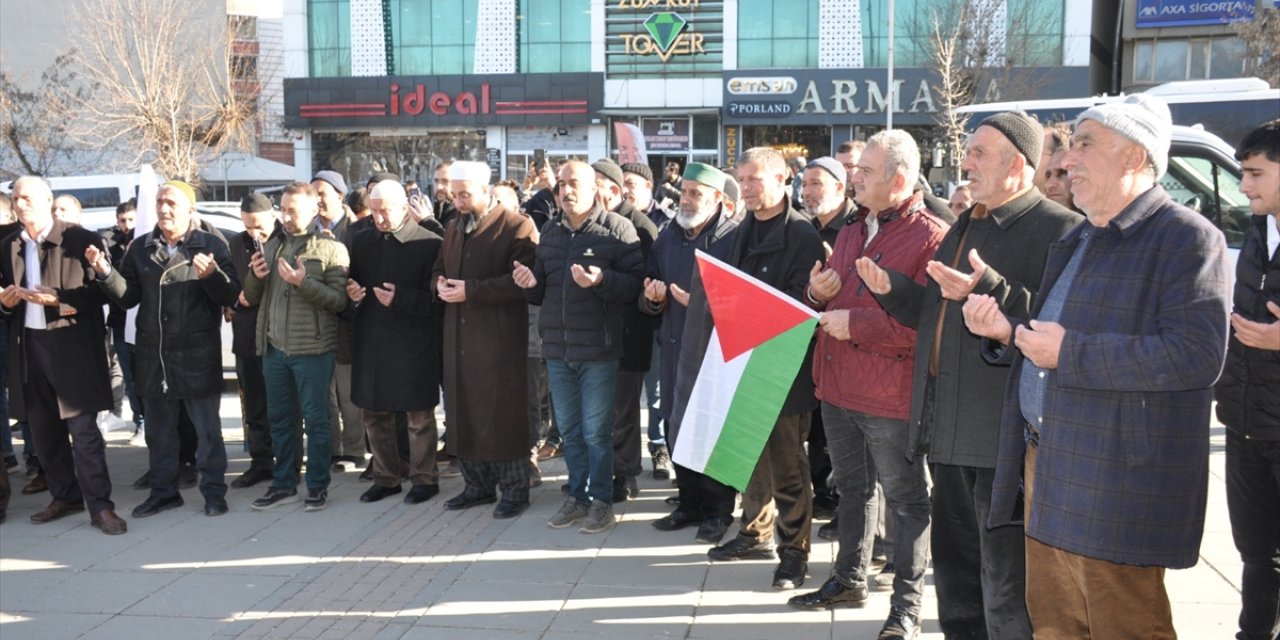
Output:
x=587 y=272
x=1248 y=402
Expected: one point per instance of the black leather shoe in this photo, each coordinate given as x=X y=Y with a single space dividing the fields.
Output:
x=465 y=500
x=378 y=492
x=901 y=625
x=152 y=506
x=792 y=569
x=824 y=507
x=676 y=520
x=143 y=481
x=509 y=509
x=215 y=506
x=712 y=530
x=188 y=477
x=251 y=477
x=830 y=531
x=832 y=594
x=421 y=493
x=624 y=488
x=741 y=549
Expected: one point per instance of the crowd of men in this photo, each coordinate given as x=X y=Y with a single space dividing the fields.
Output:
x=1023 y=376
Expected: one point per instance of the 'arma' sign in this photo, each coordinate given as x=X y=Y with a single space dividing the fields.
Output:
x=424 y=101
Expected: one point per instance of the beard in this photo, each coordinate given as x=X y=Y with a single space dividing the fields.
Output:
x=688 y=220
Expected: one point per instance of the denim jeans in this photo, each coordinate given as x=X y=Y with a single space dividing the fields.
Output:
x=863 y=448
x=582 y=393
x=1253 y=500
x=657 y=434
x=124 y=353
x=292 y=382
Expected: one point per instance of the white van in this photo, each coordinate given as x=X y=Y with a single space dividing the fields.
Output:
x=94 y=192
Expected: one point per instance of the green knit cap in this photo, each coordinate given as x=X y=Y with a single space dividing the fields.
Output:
x=705 y=174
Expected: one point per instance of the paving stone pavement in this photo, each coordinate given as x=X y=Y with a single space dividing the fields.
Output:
x=393 y=571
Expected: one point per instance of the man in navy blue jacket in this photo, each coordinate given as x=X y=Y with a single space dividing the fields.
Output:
x=1107 y=410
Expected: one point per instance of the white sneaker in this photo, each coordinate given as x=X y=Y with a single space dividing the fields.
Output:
x=108 y=422
x=139 y=438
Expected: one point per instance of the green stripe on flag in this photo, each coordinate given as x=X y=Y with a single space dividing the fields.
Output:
x=771 y=369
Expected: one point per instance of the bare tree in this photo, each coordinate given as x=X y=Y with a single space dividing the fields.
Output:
x=982 y=54
x=1262 y=38
x=164 y=84
x=35 y=125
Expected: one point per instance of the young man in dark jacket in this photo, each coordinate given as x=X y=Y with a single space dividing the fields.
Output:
x=1249 y=392
x=588 y=269
x=637 y=342
x=180 y=277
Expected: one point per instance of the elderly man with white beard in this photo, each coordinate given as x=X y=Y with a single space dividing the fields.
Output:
x=701 y=223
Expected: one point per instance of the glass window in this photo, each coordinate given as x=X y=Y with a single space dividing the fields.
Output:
x=706 y=132
x=1171 y=60
x=328 y=32
x=1199 y=66
x=777 y=35
x=554 y=36
x=1142 y=62
x=1227 y=58
x=433 y=36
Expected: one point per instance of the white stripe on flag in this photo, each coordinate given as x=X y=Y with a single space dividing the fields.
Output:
x=708 y=405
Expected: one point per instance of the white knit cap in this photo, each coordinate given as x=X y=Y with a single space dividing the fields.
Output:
x=470 y=171
x=1141 y=118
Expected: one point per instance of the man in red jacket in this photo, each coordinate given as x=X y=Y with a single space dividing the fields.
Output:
x=863 y=367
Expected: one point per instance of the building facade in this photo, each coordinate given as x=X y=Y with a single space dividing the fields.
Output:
x=401 y=85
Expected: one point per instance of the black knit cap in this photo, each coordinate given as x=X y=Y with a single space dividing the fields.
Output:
x=641 y=170
x=610 y=170
x=381 y=176
x=1022 y=130
x=255 y=202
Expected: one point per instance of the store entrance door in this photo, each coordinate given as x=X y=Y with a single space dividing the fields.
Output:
x=658 y=164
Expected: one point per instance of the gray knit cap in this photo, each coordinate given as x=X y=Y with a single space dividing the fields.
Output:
x=1141 y=118
x=1022 y=130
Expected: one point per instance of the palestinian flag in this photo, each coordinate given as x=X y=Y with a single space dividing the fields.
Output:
x=757 y=345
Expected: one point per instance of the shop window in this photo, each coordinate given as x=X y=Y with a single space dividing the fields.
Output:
x=777 y=35
x=1156 y=61
x=706 y=132
x=554 y=36
x=329 y=36
x=433 y=37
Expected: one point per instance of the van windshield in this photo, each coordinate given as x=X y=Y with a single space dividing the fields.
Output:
x=93 y=197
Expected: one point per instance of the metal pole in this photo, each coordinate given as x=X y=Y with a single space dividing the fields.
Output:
x=888 y=123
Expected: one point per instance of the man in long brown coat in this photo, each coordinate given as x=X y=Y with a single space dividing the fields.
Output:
x=485 y=343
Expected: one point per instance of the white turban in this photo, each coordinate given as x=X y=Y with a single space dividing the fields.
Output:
x=468 y=171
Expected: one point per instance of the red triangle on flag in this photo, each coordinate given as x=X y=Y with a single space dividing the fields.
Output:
x=746 y=311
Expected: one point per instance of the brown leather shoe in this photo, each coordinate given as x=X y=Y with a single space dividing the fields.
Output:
x=36 y=485
x=548 y=451
x=109 y=523
x=55 y=510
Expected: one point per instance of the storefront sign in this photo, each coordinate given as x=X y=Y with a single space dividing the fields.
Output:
x=770 y=109
x=1186 y=13
x=493 y=157
x=426 y=101
x=862 y=96
x=643 y=36
x=761 y=86
x=730 y=146
x=666 y=134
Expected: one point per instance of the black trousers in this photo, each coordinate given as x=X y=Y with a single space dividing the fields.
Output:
x=979 y=573
x=253 y=407
x=164 y=434
x=704 y=496
x=76 y=470
x=820 y=461
x=628 y=387
x=1253 y=500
